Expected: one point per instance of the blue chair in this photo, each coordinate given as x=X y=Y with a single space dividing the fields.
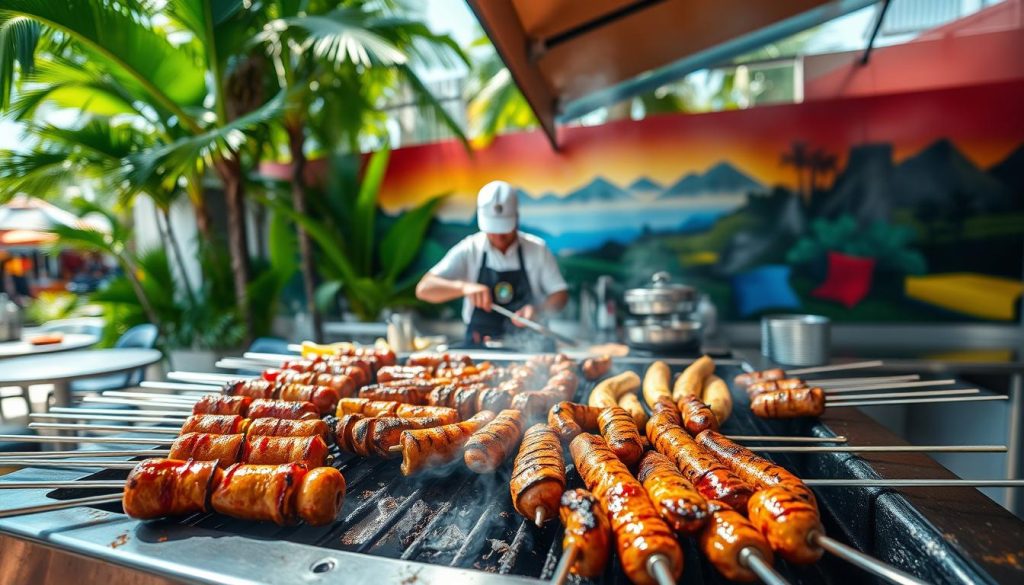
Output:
x=141 y=336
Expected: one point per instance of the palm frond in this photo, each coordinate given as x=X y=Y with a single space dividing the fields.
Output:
x=40 y=173
x=71 y=84
x=137 y=55
x=341 y=36
x=18 y=39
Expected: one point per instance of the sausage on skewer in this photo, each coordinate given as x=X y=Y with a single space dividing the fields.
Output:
x=620 y=432
x=586 y=530
x=697 y=416
x=570 y=419
x=439 y=445
x=679 y=503
x=640 y=533
x=596 y=368
x=538 y=475
x=789 y=403
x=748 y=378
x=490 y=446
x=724 y=538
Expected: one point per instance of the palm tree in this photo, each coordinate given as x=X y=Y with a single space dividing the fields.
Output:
x=496 y=105
x=345 y=56
x=799 y=158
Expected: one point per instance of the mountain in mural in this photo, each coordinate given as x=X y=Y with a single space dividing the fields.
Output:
x=1010 y=171
x=719 y=179
x=645 y=185
x=941 y=177
x=600 y=190
x=862 y=189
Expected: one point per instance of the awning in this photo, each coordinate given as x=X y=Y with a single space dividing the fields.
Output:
x=570 y=57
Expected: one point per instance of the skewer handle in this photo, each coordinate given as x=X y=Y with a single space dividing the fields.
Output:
x=565 y=565
x=916 y=393
x=158 y=396
x=105 y=428
x=868 y=563
x=985 y=398
x=99 y=484
x=111 y=411
x=835 y=368
x=179 y=386
x=832 y=382
x=786 y=439
x=887 y=386
x=170 y=405
x=658 y=567
x=59 y=439
x=62 y=505
x=206 y=378
x=881 y=449
x=45 y=455
x=893 y=483
x=752 y=559
x=72 y=464
x=172 y=420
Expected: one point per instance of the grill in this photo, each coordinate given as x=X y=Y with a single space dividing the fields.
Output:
x=460 y=527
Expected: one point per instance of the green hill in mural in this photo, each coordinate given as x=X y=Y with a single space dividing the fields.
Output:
x=600 y=190
x=645 y=185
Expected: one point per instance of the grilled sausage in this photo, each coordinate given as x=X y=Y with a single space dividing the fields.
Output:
x=491 y=445
x=263 y=408
x=343 y=431
x=406 y=394
x=157 y=488
x=495 y=399
x=640 y=533
x=308 y=451
x=538 y=475
x=718 y=398
x=254 y=388
x=376 y=436
x=751 y=467
x=770 y=385
x=340 y=384
x=608 y=391
x=443 y=414
x=632 y=405
x=664 y=404
x=586 y=529
x=621 y=434
x=792 y=403
x=787 y=520
x=440 y=445
x=596 y=368
x=570 y=419
x=222 y=404
x=215 y=424
x=712 y=478
x=206 y=447
x=725 y=536
x=465 y=402
x=697 y=416
x=320 y=496
x=324 y=398
x=691 y=381
x=280 y=427
x=388 y=373
x=748 y=378
x=679 y=503
x=366 y=407
x=535 y=405
x=259 y=492
x=656 y=383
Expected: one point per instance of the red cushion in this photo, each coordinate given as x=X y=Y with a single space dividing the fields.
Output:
x=848 y=280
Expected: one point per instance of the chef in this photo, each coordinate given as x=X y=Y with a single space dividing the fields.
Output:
x=497 y=265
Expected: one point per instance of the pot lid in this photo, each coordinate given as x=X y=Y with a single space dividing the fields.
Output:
x=662 y=290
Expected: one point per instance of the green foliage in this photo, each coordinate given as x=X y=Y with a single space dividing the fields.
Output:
x=889 y=245
x=369 y=274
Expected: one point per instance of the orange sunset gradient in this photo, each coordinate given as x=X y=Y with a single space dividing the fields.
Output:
x=985 y=122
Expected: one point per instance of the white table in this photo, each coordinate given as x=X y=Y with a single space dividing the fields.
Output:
x=71 y=342
x=63 y=368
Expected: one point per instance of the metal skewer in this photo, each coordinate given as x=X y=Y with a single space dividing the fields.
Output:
x=74 y=463
x=786 y=439
x=206 y=378
x=894 y=483
x=751 y=558
x=659 y=568
x=540 y=516
x=109 y=411
x=63 y=505
x=565 y=564
x=57 y=439
x=180 y=386
x=161 y=396
x=270 y=358
x=829 y=382
x=835 y=368
x=105 y=428
x=984 y=398
x=917 y=393
x=172 y=404
x=921 y=384
x=172 y=419
x=94 y=484
x=47 y=455
x=868 y=563
x=881 y=449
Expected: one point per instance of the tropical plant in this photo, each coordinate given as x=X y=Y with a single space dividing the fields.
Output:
x=888 y=244
x=360 y=258
x=336 y=67
x=52 y=305
x=496 y=105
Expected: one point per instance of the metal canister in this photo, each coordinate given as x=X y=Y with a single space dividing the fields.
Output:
x=796 y=340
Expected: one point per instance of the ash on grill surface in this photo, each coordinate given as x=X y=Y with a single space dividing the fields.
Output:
x=454 y=517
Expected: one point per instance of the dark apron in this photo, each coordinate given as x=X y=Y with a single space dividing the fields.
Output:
x=510 y=289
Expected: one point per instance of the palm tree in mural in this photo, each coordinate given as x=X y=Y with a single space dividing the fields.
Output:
x=822 y=166
x=335 y=67
x=799 y=158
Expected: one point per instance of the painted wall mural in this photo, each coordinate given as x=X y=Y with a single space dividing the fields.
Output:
x=905 y=207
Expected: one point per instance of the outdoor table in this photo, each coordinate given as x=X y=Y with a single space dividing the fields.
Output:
x=71 y=341
x=60 y=370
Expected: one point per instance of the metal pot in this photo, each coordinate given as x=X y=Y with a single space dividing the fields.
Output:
x=654 y=333
x=662 y=298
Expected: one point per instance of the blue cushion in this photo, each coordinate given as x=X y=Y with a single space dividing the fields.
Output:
x=763 y=288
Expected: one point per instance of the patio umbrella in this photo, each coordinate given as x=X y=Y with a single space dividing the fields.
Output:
x=25 y=238
x=28 y=213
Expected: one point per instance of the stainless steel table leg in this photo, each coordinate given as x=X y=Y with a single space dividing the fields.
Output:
x=1013 y=442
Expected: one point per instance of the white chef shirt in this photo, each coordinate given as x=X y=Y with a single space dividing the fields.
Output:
x=462 y=262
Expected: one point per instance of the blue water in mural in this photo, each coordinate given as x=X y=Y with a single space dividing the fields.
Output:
x=590 y=231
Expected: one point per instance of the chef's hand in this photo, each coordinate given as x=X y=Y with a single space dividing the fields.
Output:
x=478 y=294
x=527 y=312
